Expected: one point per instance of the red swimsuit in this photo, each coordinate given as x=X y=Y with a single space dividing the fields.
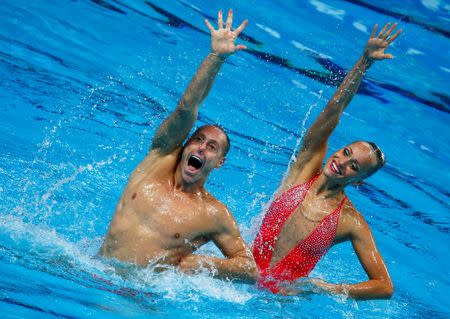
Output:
x=304 y=256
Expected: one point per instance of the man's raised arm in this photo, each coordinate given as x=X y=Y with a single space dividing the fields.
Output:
x=176 y=127
x=315 y=142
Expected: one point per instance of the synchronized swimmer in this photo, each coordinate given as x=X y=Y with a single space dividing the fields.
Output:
x=165 y=213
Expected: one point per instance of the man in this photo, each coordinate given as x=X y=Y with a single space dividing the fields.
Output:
x=311 y=211
x=165 y=212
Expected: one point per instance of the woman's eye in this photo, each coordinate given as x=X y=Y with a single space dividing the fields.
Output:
x=346 y=151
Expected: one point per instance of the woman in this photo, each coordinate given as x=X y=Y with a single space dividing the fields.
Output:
x=311 y=211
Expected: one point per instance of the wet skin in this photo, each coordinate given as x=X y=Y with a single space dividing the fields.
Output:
x=156 y=219
x=165 y=213
x=348 y=166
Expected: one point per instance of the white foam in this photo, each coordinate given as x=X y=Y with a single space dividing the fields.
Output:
x=270 y=31
x=431 y=4
x=360 y=26
x=412 y=51
x=42 y=238
x=77 y=170
x=445 y=69
x=327 y=9
x=171 y=283
x=176 y=286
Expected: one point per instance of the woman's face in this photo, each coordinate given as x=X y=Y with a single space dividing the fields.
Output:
x=352 y=163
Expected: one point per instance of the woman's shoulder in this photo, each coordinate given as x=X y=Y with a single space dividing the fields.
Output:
x=351 y=220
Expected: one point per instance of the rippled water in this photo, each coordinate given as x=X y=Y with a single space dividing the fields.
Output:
x=85 y=83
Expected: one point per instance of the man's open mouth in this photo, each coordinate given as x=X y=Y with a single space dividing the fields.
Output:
x=195 y=162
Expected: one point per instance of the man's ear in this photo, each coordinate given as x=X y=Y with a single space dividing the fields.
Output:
x=220 y=163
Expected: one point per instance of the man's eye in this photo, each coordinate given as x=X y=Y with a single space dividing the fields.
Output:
x=354 y=167
x=212 y=147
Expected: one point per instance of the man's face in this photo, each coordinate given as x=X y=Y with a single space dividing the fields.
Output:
x=202 y=153
x=351 y=164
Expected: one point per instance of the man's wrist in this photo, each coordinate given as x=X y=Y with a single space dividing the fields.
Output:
x=216 y=57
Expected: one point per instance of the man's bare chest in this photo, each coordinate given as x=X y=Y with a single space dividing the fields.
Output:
x=160 y=208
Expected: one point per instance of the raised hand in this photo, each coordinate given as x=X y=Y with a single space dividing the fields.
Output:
x=222 y=39
x=378 y=43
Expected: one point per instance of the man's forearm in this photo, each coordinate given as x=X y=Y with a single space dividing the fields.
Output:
x=241 y=268
x=201 y=83
x=177 y=126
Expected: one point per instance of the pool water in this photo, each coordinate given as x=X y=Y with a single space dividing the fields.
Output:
x=84 y=85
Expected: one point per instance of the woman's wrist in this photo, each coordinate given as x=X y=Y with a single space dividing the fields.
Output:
x=367 y=60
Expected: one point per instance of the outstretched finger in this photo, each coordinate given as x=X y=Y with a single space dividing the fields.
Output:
x=209 y=25
x=220 y=19
x=229 y=19
x=388 y=56
x=383 y=30
x=241 y=27
x=374 y=30
x=390 y=31
x=395 y=36
x=241 y=47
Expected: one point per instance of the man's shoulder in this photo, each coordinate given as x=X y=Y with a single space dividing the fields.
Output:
x=223 y=215
x=216 y=204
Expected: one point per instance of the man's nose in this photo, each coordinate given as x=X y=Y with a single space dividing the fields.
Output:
x=202 y=146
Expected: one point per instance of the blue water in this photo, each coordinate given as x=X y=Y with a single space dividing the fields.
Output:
x=84 y=85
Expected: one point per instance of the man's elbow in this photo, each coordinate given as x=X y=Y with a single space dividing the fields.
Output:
x=187 y=104
x=246 y=268
x=387 y=289
x=251 y=271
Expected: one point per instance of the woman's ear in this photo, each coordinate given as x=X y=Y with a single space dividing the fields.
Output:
x=358 y=183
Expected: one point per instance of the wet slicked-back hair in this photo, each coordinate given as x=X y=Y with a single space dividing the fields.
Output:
x=227 y=146
x=381 y=159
